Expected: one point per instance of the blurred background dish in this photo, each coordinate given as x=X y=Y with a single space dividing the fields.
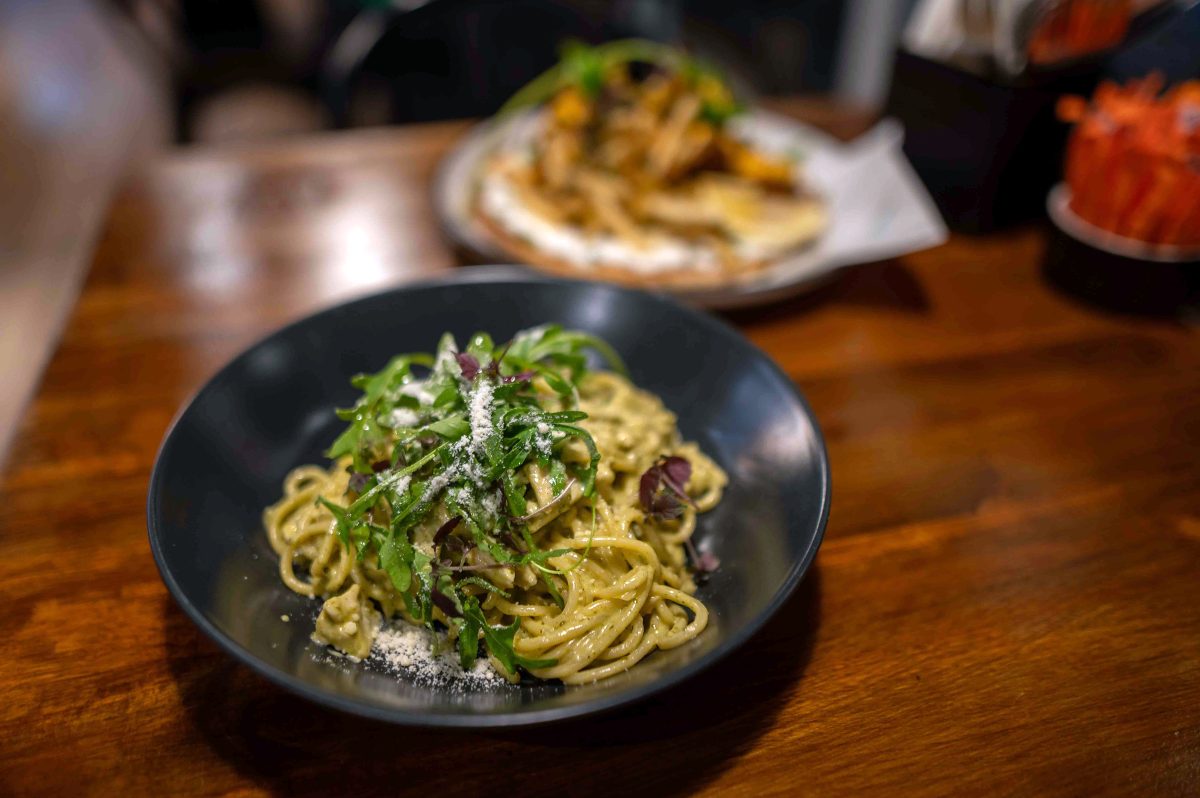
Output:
x=628 y=164
x=874 y=206
x=636 y=163
x=1131 y=165
x=1117 y=273
x=1127 y=216
x=976 y=83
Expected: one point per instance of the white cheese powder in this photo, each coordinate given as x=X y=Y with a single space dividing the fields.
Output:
x=481 y=414
x=491 y=503
x=404 y=417
x=395 y=481
x=419 y=390
x=429 y=659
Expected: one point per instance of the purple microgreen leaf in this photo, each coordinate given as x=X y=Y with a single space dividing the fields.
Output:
x=358 y=482
x=457 y=547
x=381 y=465
x=444 y=530
x=493 y=368
x=677 y=472
x=469 y=365
x=661 y=489
x=703 y=562
x=648 y=486
x=444 y=603
x=666 y=506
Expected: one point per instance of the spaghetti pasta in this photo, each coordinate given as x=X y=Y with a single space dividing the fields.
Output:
x=563 y=572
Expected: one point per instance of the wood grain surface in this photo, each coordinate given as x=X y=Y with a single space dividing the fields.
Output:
x=1007 y=600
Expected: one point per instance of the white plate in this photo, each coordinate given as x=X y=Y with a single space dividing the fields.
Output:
x=877 y=207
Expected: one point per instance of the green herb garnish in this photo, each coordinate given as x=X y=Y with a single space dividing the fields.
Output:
x=585 y=66
x=456 y=429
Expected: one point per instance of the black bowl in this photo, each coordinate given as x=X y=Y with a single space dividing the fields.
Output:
x=224 y=459
x=1114 y=273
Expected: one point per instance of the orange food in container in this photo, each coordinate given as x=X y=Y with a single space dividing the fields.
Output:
x=1133 y=161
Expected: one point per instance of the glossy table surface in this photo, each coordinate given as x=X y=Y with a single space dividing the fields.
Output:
x=1007 y=599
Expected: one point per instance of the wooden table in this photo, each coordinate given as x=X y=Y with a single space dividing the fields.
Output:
x=1007 y=600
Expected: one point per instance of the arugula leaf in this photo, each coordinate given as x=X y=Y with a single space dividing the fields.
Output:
x=448 y=396
x=499 y=640
x=360 y=536
x=556 y=382
x=558 y=476
x=486 y=585
x=583 y=66
x=421 y=604
x=451 y=428
x=392 y=561
x=468 y=642
x=552 y=588
x=587 y=474
x=563 y=417
x=519 y=451
x=514 y=493
x=347 y=442
x=341 y=518
x=377 y=383
x=395 y=475
x=481 y=348
x=364 y=432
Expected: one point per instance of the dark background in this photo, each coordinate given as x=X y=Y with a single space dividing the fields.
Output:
x=395 y=62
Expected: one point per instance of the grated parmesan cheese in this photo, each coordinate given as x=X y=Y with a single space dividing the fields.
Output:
x=446 y=364
x=543 y=441
x=419 y=391
x=434 y=486
x=429 y=659
x=491 y=503
x=481 y=415
x=396 y=482
x=404 y=417
x=468 y=450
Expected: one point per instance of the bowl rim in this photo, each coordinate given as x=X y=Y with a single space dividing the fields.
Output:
x=304 y=689
x=1058 y=208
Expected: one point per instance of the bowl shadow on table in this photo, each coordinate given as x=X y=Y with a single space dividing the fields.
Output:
x=884 y=285
x=1123 y=286
x=672 y=743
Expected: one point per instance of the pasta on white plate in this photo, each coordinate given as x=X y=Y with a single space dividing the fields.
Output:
x=539 y=511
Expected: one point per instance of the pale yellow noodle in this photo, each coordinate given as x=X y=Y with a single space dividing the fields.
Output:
x=625 y=584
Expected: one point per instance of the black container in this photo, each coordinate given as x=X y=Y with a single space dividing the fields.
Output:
x=987 y=147
x=1117 y=274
